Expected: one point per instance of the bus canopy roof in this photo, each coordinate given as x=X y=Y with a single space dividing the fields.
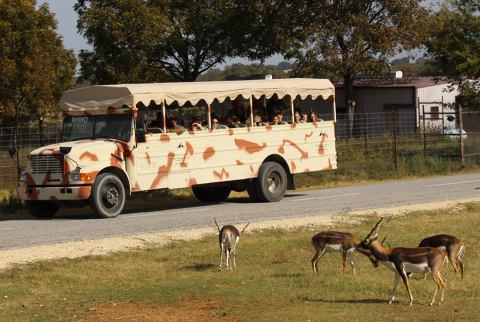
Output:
x=101 y=98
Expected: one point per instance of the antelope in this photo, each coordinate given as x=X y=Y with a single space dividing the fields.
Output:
x=453 y=246
x=342 y=242
x=228 y=238
x=401 y=260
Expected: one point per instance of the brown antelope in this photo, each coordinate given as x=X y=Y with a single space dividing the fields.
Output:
x=228 y=238
x=401 y=260
x=336 y=241
x=453 y=246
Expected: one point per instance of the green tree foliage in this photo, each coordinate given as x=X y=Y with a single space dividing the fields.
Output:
x=243 y=72
x=344 y=38
x=35 y=67
x=122 y=34
x=453 y=46
x=154 y=40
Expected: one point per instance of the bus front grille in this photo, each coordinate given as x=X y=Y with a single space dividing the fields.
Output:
x=47 y=164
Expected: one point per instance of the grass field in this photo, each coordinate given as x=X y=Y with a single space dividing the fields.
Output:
x=273 y=281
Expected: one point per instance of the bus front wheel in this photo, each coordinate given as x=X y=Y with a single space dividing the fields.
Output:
x=108 y=196
x=271 y=183
x=42 y=208
x=211 y=194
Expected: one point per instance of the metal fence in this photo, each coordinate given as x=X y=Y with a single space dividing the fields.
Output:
x=381 y=140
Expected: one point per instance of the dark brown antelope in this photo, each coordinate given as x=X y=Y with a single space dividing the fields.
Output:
x=401 y=260
x=228 y=238
x=453 y=246
x=336 y=241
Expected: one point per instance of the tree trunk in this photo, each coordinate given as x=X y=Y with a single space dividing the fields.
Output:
x=350 y=101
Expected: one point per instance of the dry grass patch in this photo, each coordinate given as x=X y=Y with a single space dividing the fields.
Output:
x=273 y=281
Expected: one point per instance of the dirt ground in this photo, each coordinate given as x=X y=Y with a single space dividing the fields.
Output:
x=206 y=310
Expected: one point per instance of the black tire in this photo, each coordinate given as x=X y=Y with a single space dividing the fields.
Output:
x=252 y=190
x=42 y=209
x=107 y=198
x=211 y=194
x=271 y=182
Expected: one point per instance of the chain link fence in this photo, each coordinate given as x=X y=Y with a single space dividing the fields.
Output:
x=393 y=142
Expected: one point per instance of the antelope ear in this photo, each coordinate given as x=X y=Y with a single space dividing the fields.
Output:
x=374 y=239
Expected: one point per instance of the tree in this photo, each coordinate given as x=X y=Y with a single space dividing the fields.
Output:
x=154 y=40
x=198 y=36
x=453 y=45
x=122 y=34
x=344 y=38
x=36 y=68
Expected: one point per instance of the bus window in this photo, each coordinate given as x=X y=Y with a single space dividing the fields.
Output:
x=316 y=109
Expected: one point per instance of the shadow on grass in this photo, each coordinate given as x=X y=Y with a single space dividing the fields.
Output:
x=340 y=301
x=200 y=267
x=288 y=275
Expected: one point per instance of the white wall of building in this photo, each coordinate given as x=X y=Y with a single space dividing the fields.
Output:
x=441 y=96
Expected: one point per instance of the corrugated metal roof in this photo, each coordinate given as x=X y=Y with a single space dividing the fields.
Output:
x=417 y=82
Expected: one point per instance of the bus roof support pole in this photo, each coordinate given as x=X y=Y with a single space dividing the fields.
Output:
x=164 y=114
x=250 y=107
x=292 y=109
x=334 y=110
x=209 y=116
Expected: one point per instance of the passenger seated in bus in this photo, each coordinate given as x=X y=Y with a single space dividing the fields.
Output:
x=215 y=123
x=274 y=120
x=156 y=126
x=173 y=125
x=314 y=117
x=297 y=117
x=256 y=118
x=304 y=118
x=233 y=121
x=280 y=118
x=196 y=124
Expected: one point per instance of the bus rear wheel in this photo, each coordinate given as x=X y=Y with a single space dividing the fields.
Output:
x=107 y=198
x=211 y=194
x=42 y=209
x=271 y=184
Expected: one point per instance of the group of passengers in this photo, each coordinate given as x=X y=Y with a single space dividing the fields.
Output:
x=235 y=118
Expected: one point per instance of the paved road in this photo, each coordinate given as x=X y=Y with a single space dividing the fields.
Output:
x=27 y=232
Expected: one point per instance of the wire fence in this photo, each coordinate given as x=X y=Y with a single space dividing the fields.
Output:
x=393 y=142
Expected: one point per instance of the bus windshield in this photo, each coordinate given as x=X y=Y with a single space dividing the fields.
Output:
x=115 y=126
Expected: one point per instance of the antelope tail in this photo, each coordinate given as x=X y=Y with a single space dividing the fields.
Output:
x=218 y=227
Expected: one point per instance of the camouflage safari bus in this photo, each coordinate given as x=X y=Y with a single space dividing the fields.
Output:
x=214 y=137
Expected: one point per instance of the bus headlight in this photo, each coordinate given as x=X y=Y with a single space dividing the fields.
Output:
x=23 y=176
x=75 y=175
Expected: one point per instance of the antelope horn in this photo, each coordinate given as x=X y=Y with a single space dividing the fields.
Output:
x=218 y=227
x=245 y=228
x=383 y=241
x=375 y=228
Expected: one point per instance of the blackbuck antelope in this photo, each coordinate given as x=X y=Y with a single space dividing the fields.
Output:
x=453 y=246
x=401 y=260
x=228 y=238
x=336 y=241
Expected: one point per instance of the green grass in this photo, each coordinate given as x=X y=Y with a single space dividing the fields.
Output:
x=273 y=281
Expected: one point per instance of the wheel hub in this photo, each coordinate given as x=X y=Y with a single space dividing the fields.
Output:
x=111 y=196
x=272 y=181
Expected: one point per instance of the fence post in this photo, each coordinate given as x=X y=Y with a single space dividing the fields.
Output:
x=40 y=129
x=424 y=133
x=365 y=132
x=395 y=159
x=462 y=147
